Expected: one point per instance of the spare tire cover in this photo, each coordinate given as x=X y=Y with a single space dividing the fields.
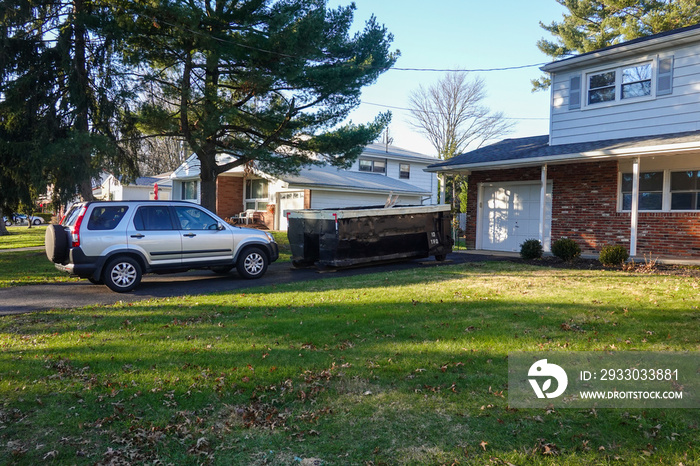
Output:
x=56 y=242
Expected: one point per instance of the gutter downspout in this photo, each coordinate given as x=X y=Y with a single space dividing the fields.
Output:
x=442 y=188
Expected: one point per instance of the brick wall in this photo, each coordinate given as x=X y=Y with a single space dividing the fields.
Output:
x=584 y=208
x=229 y=196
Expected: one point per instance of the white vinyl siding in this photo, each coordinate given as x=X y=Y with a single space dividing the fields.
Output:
x=672 y=111
x=333 y=199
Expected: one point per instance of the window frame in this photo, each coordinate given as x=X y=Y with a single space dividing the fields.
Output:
x=404 y=174
x=259 y=203
x=666 y=193
x=695 y=192
x=622 y=193
x=618 y=83
x=372 y=163
x=195 y=185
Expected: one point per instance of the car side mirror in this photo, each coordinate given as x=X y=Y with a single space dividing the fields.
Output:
x=220 y=226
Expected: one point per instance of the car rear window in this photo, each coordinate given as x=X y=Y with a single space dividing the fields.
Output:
x=72 y=215
x=106 y=217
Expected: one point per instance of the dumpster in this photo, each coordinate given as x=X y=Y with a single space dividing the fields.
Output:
x=351 y=236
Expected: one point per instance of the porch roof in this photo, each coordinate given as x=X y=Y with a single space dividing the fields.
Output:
x=536 y=150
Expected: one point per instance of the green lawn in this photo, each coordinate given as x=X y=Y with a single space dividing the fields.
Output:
x=23 y=237
x=402 y=367
x=28 y=268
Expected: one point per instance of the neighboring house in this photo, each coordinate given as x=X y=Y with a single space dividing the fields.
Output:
x=378 y=173
x=143 y=188
x=621 y=164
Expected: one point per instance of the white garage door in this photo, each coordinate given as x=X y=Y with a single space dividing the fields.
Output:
x=511 y=214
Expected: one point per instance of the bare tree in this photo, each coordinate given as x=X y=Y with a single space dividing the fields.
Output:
x=161 y=154
x=451 y=113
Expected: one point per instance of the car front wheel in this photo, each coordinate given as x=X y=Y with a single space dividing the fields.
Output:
x=122 y=274
x=252 y=263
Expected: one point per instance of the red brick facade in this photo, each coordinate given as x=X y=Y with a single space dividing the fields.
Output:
x=584 y=208
x=229 y=196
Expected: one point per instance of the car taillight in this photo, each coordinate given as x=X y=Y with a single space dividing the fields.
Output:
x=75 y=229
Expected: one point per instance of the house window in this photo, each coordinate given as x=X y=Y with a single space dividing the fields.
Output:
x=685 y=190
x=601 y=87
x=619 y=84
x=189 y=190
x=636 y=81
x=256 y=194
x=372 y=165
x=651 y=190
x=404 y=171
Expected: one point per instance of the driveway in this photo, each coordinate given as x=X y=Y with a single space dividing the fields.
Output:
x=33 y=298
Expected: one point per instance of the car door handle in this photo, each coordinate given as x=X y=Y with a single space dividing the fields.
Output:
x=190 y=235
x=138 y=236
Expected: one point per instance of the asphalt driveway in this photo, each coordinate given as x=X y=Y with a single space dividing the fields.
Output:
x=34 y=298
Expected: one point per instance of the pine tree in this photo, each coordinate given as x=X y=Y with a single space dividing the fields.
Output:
x=59 y=76
x=266 y=82
x=593 y=24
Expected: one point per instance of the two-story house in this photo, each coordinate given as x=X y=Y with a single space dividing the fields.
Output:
x=379 y=172
x=621 y=163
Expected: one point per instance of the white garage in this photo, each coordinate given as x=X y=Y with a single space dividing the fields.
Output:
x=510 y=213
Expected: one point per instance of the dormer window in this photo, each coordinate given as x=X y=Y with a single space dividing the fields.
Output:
x=622 y=83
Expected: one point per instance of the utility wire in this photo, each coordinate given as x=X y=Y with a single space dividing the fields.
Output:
x=284 y=55
x=436 y=113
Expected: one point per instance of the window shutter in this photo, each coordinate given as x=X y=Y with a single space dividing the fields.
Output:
x=575 y=92
x=664 y=78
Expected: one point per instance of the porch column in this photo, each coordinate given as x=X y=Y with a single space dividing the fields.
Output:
x=634 y=212
x=543 y=204
x=442 y=188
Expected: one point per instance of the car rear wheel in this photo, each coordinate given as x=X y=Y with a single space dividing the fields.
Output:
x=36 y=221
x=252 y=263
x=56 y=242
x=122 y=274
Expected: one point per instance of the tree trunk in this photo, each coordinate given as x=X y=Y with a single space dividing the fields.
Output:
x=3 y=228
x=208 y=180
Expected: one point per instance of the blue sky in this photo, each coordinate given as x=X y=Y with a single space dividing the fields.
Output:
x=460 y=34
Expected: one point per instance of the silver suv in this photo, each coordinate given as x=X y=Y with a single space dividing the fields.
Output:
x=115 y=243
